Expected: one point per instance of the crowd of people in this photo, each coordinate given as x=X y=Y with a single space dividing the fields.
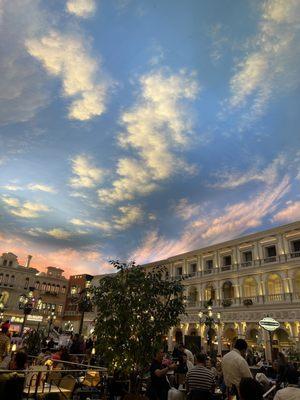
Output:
x=229 y=377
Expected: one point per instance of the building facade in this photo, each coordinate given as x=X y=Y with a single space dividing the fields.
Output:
x=47 y=288
x=246 y=279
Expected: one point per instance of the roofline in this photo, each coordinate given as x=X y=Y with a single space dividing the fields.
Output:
x=228 y=243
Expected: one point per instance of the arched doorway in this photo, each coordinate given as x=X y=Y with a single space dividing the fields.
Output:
x=275 y=287
x=229 y=337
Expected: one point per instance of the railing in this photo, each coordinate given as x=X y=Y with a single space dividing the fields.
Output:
x=246 y=264
x=208 y=271
x=296 y=295
x=276 y=297
x=295 y=254
x=270 y=259
x=226 y=267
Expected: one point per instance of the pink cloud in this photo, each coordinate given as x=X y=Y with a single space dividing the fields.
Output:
x=288 y=214
x=70 y=260
x=215 y=226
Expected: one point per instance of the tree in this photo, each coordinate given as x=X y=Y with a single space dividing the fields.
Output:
x=135 y=310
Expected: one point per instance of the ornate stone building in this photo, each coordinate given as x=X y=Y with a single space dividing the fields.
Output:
x=247 y=279
x=48 y=288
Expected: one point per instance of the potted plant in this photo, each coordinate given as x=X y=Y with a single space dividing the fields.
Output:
x=247 y=302
x=226 y=302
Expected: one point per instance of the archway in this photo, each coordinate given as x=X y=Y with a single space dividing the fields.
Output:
x=229 y=337
x=275 y=287
x=249 y=287
x=192 y=296
x=297 y=284
x=228 y=290
x=209 y=292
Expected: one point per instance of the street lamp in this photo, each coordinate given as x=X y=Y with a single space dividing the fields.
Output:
x=27 y=303
x=51 y=318
x=84 y=303
x=208 y=318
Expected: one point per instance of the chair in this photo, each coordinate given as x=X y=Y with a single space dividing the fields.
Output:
x=35 y=380
x=14 y=388
x=67 y=385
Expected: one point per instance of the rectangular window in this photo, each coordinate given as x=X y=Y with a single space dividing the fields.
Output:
x=270 y=253
x=193 y=268
x=247 y=258
x=12 y=280
x=4 y=262
x=179 y=271
x=226 y=263
x=208 y=266
x=295 y=248
x=10 y=263
x=26 y=283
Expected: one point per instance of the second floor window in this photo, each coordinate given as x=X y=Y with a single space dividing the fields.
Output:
x=226 y=261
x=296 y=246
x=209 y=265
x=193 y=268
x=247 y=256
x=271 y=251
x=179 y=271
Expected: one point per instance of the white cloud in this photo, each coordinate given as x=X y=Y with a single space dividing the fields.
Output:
x=67 y=56
x=12 y=187
x=129 y=215
x=185 y=210
x=41 y=187
x=26 y=209
x=288 y=214
x=86 y=174
x=81 y=8
x=23 y=90
x=157 y=128
x=234 y=179
x=271 y=65
x=209 y=227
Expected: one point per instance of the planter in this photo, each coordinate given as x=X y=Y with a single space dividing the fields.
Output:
x=227 y=303
x=248 y=302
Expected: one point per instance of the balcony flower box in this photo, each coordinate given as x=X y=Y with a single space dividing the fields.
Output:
x=247 y=302
x=226 y=302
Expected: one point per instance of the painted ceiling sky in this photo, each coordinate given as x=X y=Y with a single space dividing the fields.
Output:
x=140 y=129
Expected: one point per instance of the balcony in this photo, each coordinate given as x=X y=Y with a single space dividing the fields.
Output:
x=273 y=298
x=208 y=271
x=295 y=254
x=270 y=259
x=226 y=268
x=246 y=264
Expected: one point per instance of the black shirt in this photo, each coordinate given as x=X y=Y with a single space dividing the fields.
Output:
x=157 y=382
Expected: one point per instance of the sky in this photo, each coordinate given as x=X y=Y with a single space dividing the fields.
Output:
x=141 y=129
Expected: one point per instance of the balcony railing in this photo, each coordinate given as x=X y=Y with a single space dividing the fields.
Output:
x=207 y=271
x=276 y=297
x=270 y=259
x=295 y=254
x=226 y=268
x=246 y=264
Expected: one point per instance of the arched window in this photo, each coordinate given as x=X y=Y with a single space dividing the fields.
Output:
x=249 y=287
x=193 y=295
x=297 y=283
x=209 y=292
x=274 y=284
x=37 y=285
x=228 y=290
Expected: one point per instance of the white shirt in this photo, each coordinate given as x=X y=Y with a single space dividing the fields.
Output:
x=189 y=355
x=235 y=367
x=189 y=364
x=288 y=393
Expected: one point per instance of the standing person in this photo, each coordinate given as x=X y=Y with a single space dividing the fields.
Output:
x=184 y=365
x=200 y=378
x=282 y=367
x=292 y=391
x=159 y=385
x=235 y=366
x=189 y=354
x=4 y=342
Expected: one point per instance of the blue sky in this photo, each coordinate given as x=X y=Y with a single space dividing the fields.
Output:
x=142 y=129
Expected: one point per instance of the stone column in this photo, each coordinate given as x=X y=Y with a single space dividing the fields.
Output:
x=170 y=340
x=219 y=336
x=266 y=340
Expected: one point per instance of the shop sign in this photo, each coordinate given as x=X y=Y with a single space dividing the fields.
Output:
x=35 y=318
x=269 y=324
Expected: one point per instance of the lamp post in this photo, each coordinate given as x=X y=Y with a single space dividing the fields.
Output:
x=27 y=303
x=208 y=318
x=84 y=305
x=50 y=318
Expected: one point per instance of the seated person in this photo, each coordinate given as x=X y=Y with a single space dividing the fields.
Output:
x=292 y=391
x=19 y=362
x=250 y=389
x=200 y=378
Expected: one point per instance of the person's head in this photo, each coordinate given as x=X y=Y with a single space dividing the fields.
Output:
x=218 y=366
x=281 y=358
x=201 y=358
x=19 y=360
x=159 y=355
x=184 y=358
x=208 y=363
x=251 y=389
x=241 y=346
x=4 y=329
x=181 y=347
x=292 y=376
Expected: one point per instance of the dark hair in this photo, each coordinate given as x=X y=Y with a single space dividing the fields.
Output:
x=240 y=344
x=4 y=329
x=201 y=358
x=20 y=359
x=251 y=389
x=292 y=375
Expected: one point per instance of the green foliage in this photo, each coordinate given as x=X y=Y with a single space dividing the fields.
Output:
x=135 y=310
x=33 y=342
